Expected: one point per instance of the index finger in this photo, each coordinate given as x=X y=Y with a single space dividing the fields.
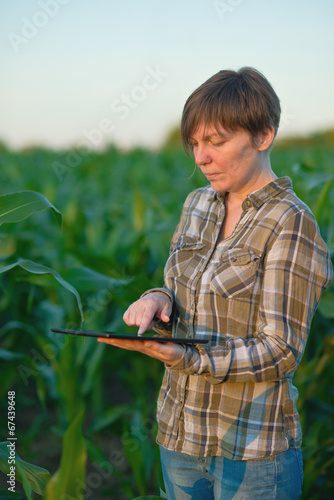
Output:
x=145 y=325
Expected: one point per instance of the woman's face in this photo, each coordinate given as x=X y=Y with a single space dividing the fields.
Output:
x=229 y=159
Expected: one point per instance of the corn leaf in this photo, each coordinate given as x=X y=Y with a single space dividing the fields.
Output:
x=109 y=417
x=88 y=280
x=9 y=355
x=35 y=268
x=15 y=207
x=33 y=477
x=322 y=199
x=69 y=480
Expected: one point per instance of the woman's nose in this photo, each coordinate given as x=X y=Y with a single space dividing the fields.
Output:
x=201 y=155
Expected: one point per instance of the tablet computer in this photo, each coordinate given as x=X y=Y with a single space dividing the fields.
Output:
x=127 y=336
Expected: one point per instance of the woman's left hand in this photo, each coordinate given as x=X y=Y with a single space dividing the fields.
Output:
x=168 y=352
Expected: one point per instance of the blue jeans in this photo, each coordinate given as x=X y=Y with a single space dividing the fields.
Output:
x=218 y=478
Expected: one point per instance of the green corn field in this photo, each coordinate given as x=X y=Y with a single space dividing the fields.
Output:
x=82 y=235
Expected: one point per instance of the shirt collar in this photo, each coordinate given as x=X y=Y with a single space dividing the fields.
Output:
x=260 y=196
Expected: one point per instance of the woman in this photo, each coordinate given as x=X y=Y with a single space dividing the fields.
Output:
x=246 y=271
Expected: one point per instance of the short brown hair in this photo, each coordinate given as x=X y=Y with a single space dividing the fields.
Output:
x=235 y=100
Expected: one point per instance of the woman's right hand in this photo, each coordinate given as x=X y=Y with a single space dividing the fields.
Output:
x=141 y=313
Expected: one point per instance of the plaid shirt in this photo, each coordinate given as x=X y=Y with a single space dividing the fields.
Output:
x=253 y=296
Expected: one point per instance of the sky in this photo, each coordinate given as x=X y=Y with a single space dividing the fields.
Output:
x=94 y=72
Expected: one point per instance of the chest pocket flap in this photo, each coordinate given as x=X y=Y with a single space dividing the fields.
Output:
x=186 y=254
x=235 y=273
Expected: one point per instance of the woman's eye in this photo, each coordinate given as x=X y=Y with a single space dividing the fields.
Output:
x=218 y=143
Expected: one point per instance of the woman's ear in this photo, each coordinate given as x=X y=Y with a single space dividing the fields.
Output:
x=265 y=139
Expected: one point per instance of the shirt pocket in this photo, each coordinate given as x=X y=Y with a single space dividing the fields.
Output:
x=185 y=258
x=235 y=273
